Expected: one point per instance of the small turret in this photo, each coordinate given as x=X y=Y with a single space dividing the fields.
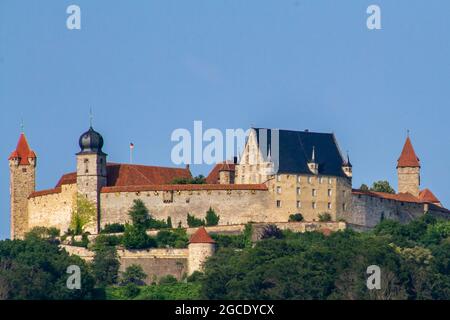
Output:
x=201 y=247
x=312 y=164
x=347 y=167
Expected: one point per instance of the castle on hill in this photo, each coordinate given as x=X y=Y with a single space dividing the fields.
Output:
x=312 y=178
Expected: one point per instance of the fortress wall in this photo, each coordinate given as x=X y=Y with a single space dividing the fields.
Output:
x=52 y=210
x=156 y=263
x=233 y=206
x=368 y=211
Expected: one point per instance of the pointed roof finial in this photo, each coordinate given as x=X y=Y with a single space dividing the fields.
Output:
x=313 y=158
x=348 y=159
x=91 y=117
x=407 y=132
x=22 y=125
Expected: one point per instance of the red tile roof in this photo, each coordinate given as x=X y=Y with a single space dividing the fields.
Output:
x=201 y=236
x=185 y=187
x=403 y=197
x=427 y=196
x=213 y=176
x=23 y=151
x=124 y=175
x=408 y=157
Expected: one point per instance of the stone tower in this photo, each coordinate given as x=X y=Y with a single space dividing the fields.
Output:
x=22 y=168
x=408 y=170
x=201 y=247
x=226 y=173
x=91 y=171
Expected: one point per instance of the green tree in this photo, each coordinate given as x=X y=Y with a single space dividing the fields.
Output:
x=364 y=187
x=200 y=179
x=137 y=238
x=212 y=219
x=36 y=269
x=139 y=214
x=133 y=274
x=382 y=186
x=194 y=222
x=105 y=266
x=83 y=213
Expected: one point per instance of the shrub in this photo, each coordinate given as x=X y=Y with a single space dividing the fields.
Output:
x=167 y=280
x=133 y=274
x=272 y=231
x=113 y=228
x=83 y=243
x=212 y=219
x=137 y=238
x=296 y=217
x=324 y=217
x=196 y=276
x=131 y=291
x=175 y=239
x=169 y=222
x=194 y=222
x=107 y=240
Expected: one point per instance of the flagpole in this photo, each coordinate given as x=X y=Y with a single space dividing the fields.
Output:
x=131 y=152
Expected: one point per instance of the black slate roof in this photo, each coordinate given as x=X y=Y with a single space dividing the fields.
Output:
x=295 y=151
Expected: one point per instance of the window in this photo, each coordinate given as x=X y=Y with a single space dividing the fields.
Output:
x=314 y=205
x=299 y=179
x=344 y=206
x=320 y=180
x=329 y=205
x=330 y=181
x=330 y=192
x=278 y=190
x=299 y=191
x=309 y=180
x=278 y=178
x=314 y=192
x=86 y=165
x=299 y=204
x=278 y=203
x=24 y=170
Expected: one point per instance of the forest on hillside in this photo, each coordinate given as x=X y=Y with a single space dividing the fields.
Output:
x=414 y=260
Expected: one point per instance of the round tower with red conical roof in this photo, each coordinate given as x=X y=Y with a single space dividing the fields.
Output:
x=201 y=247
x=22 y=169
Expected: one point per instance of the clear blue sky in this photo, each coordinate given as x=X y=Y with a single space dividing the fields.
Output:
x=149 y=67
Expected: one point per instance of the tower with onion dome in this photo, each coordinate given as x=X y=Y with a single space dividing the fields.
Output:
x=91 y=170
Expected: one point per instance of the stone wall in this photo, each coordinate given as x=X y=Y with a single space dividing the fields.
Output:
x=368 y=210
x=233 y=206
x=53 y=209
